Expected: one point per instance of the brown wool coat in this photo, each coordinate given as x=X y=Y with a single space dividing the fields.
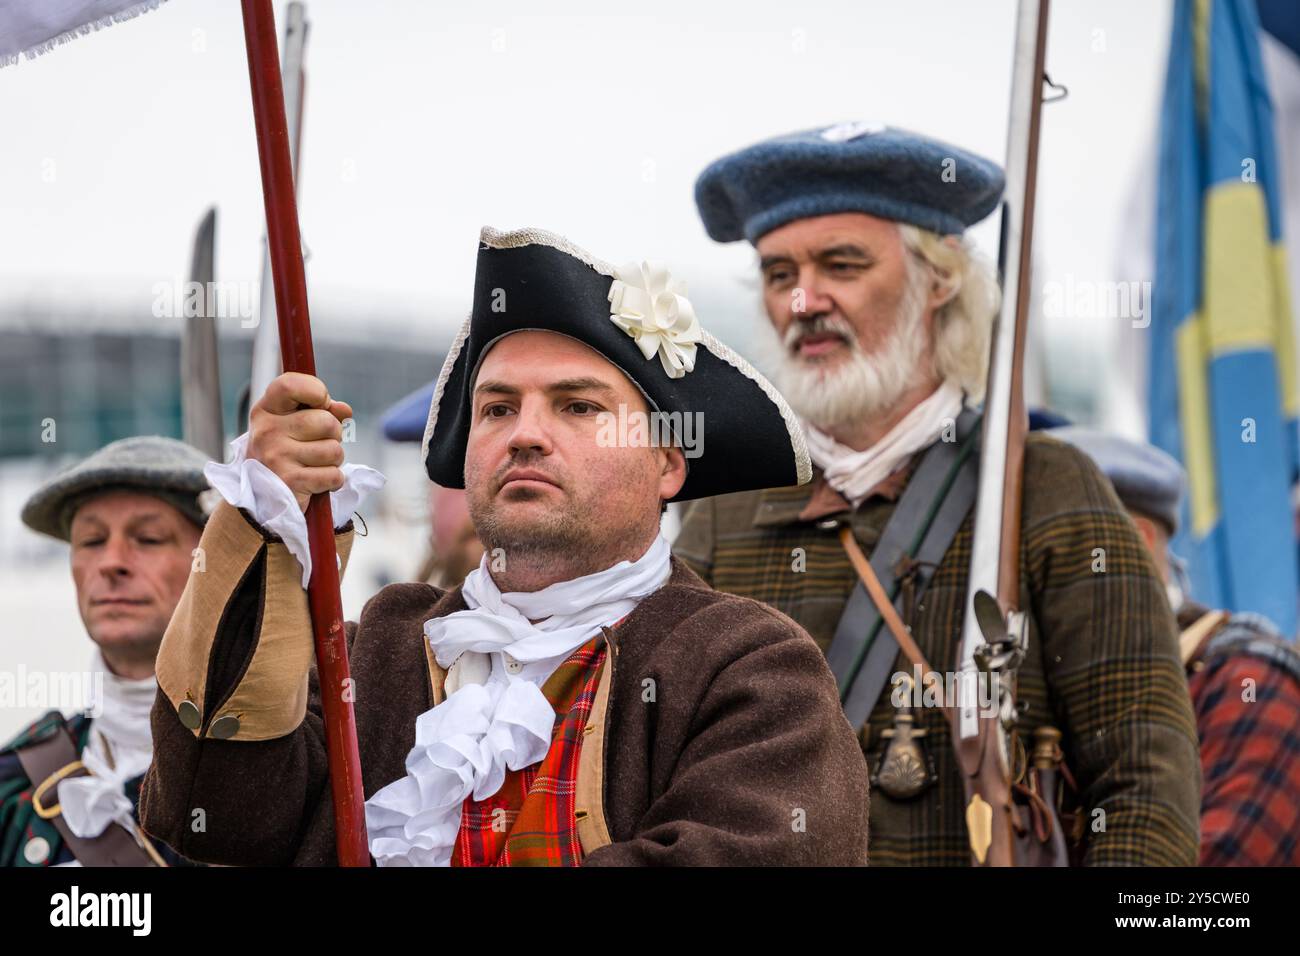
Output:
x=721 y=739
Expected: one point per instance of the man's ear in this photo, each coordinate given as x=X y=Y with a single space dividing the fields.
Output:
x=1152 y=531
x=673 y=472
x=944 y=286
x=943 y=289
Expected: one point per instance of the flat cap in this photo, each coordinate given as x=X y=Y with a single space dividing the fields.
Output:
x=850 y=167
x=163 y=467
x=1146 y=479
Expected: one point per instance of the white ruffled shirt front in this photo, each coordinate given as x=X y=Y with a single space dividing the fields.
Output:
x=498 y=652
x=495 y=717
x=120 y=749
x=854 y=473
x=247 y=483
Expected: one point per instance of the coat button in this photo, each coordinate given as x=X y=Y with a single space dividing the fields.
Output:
x=37 y=850
x=223 y=728
x=188 y=712
x=512 y=665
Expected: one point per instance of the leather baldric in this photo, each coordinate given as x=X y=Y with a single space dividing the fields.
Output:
x=116 y=846
x=938 y=497
x=1038 y=832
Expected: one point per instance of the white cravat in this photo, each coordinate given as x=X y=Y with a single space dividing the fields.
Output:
x=854 y=473
x=495 y=717
x=120 y=749
x=247 y=483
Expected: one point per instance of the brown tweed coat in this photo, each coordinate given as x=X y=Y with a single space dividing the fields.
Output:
x=716 y=736
x=1103 y=662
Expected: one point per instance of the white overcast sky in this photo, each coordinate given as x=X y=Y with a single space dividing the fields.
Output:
x=425 y=121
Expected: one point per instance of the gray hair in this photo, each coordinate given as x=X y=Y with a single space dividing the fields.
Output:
x=963 y=325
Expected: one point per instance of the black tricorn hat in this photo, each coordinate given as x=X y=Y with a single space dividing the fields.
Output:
x=640 y=320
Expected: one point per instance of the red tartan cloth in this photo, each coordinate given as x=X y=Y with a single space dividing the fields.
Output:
x=529 y=821
x=1250 y=763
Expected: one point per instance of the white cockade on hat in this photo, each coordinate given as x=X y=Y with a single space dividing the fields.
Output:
x=651 y=306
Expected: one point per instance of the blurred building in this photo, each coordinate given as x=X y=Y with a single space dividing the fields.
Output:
x=97 y=382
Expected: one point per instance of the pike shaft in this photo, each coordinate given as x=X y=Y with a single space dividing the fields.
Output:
x=323 y=595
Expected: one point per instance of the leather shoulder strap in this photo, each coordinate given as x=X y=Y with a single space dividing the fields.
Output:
x=115 y=846
x=923 y=525
x=1192 y=640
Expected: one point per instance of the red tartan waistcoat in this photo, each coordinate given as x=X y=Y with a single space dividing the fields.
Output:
x=529 y=821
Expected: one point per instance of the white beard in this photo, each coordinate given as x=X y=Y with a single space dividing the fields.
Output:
x=857 y=387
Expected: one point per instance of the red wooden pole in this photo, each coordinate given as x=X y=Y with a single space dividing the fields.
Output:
x=323 y=595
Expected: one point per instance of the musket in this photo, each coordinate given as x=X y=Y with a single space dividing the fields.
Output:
x=994 y=629
x=200 y=369
x=266 y=346
x=323 y=598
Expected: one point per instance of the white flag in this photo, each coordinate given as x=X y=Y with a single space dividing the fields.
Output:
x=34 y=27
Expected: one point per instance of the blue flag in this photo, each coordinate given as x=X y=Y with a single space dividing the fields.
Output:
x=1222 y=384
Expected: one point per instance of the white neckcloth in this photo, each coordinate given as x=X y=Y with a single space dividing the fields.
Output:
x=120 y=749
x=854 y=473
x=495 y=717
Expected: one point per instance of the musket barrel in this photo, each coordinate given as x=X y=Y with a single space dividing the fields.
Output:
x=980 y=740
x=996 y=540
